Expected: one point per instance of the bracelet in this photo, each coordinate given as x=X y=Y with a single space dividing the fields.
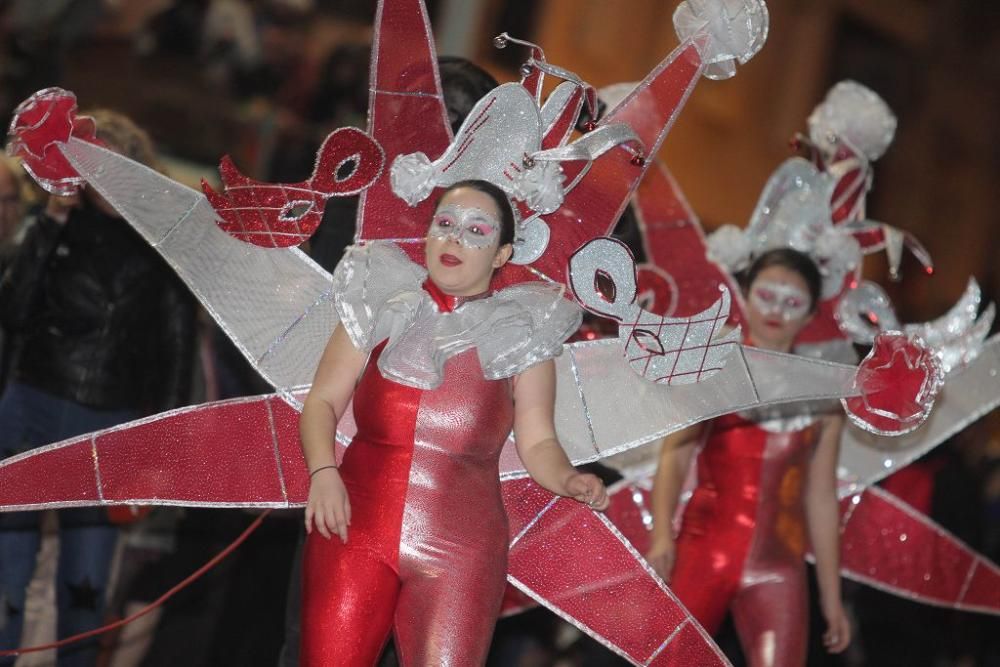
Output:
x=332 y=465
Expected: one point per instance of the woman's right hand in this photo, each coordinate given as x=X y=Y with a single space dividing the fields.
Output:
x=328 y=509
x=661 y=557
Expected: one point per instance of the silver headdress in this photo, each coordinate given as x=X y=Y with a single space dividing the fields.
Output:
x=501 y=142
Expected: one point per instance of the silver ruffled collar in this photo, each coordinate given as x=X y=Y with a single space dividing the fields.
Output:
x=379 y=297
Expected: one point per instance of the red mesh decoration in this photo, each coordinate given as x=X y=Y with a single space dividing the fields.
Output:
x=286 y=214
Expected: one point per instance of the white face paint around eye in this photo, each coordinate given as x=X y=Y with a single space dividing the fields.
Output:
x=472 y=227
x=775 y=299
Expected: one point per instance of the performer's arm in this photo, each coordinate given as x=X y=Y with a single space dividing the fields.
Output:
x=328 y=507
x=676 y=452
x=823 y=513
x=537 y=444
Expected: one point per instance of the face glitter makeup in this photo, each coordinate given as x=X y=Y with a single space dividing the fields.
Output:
x=775 y=299
x=470 y=226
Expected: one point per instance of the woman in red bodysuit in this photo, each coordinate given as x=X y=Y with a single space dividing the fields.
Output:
x=766 y=488
x=409 y=533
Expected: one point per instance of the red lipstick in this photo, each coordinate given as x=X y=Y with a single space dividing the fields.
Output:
x=448 y=259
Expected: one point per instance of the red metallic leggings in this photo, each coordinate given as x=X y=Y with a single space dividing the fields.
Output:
x=426 y=556
x=352 y=600
x=769 y=603
x=347 y=613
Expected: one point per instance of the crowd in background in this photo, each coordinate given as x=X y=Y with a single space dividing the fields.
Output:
x=277 y=76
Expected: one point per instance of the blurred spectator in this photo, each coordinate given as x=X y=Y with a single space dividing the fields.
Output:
x=104 y=333
x=35 y=38
x=13 y=201
x=177 y=29
x=281 y=73
x=13 y=204
x=341 y=96
x=229 y=40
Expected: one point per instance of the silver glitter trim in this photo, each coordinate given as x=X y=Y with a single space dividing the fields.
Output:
x=97 y=467
x=583 y=400
x=542 y=276
x=401 y=93
x=583 y=627
x=323 y=298
x=277 y=450
x=159 y=502
x=531 y=524
x=664 y=64
x=901 y=593
x=600 y=638
x=428 y=43
x=591 y=145
x=666 y=642
x=968 y=581
x=556 y=104
x=180 y=221
x=753 y=381
x=663 y=586
x=856 y=500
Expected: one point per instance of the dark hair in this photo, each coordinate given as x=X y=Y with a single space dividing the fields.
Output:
x=499 y=197
x=123 y=136
x=796 y=261
x=463 y=83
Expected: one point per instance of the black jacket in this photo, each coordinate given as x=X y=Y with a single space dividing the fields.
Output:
x=95 y=315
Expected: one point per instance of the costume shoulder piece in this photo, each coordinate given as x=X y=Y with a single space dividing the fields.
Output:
x=380 y=298
x=523 y=326
x=369 y=281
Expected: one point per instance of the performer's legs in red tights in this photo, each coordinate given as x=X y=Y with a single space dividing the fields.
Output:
x=348 y=600
x=447 y=617
x=705 y=578
x=772 y=618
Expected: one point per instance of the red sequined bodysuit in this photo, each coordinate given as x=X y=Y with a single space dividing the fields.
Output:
x=743 y=536
x=427 y=546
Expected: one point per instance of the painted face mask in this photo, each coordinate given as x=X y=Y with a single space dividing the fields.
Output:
x=779 y=300
x=470 y=226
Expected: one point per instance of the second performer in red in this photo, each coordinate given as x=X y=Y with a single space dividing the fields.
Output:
x=766 y=490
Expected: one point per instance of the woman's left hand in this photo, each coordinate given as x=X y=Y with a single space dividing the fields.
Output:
x=589 y=489
x=838 y=628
